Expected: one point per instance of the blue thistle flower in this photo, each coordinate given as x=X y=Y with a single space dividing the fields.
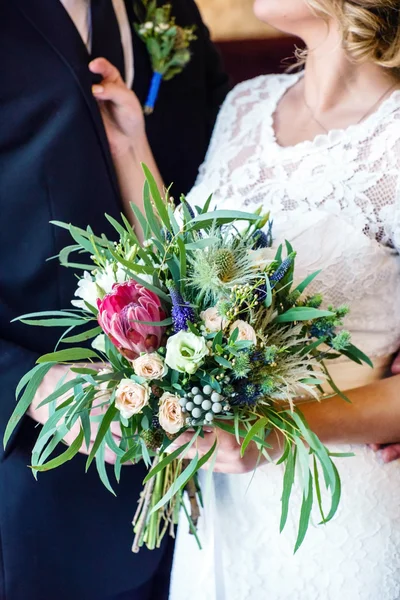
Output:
x=322 y=328
x=262 y=239
x=281 y=271
x=247 y=394
x=181 y=312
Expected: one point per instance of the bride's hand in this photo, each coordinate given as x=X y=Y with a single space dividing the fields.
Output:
x=228 y=458
x=120 y=108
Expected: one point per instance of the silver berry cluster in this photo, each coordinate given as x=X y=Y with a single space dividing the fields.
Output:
x=202 y=405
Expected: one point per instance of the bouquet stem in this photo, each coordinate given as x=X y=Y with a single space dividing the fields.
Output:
x=140 y=519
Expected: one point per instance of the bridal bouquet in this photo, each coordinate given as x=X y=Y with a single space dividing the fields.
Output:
x=200 y=326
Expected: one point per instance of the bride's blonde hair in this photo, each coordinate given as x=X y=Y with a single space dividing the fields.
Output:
x=370 y=28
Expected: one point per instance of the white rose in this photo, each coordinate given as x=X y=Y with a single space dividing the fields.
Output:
x=99 y=343
x=88 y=286
x=149 y=366
x=131 y=397
x=212 y=319
x=262 y=258
x=170 y=413
x=185 y=352
x=246 y=331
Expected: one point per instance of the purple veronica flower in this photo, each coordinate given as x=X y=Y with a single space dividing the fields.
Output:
x=182 y=312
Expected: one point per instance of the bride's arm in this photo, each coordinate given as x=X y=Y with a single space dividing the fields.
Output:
x=125 y=127
x=372 y=416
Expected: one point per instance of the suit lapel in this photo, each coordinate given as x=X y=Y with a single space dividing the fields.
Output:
x=52 y=21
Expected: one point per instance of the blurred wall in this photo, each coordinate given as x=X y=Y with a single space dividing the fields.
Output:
x=233 y=20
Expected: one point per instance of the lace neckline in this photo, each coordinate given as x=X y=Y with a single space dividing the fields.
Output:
x=326 y=140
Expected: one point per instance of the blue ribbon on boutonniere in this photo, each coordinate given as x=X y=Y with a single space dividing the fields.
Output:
x=153 y=93
x=167 y=43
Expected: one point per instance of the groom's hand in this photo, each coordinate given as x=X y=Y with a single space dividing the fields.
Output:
x=390 y=452
x=40 y=414
x=120 y=109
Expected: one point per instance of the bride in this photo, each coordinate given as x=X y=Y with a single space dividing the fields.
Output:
x=321 y=150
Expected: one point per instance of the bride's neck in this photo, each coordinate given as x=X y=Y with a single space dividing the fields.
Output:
x=332 y=80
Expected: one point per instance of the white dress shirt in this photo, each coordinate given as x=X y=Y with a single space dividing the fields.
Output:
x=79 y=11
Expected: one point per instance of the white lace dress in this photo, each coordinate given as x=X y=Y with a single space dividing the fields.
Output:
x=337 y=199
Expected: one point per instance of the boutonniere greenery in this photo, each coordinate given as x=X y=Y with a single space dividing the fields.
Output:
x=167 y=43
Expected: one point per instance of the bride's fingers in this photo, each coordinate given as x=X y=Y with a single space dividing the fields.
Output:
x=112 y=92
x=101 y=66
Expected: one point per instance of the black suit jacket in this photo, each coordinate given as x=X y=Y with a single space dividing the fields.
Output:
x=65 y=536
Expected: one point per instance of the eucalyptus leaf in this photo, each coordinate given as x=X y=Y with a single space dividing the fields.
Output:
x=302 y=313
x=32 y=380
x=64 y=457
x=68 y=355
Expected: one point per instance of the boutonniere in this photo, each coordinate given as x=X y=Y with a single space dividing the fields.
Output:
x=167 y=43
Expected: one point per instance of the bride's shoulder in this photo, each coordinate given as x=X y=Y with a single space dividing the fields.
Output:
x=259 y=88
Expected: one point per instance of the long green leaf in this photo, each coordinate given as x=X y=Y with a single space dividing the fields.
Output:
x=168 y=459
x=335 y=496
x=288 y=480
x=63 y=322
x=179 y=483
x=204 y=459
x=48 y=313
x=70 y=354
x=101 y=468
x=204 y=243
x=318 y=489
x=302 y=313
x=158 y=201
x=304 y=284
x=117 y=226
x=82 y=337
x=36 y=377
x=104 y=427
x=225 y=215
x=305 y=514
x=150 y=216
x=255 y=429
x=63 y=389
x=355 y=353
x=141 y=220
x=182 y=257
x=81 y=240
x=64 y=457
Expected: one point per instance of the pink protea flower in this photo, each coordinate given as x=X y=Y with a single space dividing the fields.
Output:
x=126 y=303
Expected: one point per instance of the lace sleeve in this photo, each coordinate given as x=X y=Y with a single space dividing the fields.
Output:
x=234 y=119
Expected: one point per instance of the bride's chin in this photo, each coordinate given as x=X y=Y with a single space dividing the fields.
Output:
x=285 y=15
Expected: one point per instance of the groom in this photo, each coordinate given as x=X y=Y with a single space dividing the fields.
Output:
x=65 y=536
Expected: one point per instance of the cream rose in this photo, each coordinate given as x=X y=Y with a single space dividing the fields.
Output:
x=212 y=320
x=131 y=397
x=246 y=331
x=185 y=352
x=149 y=366
x=170 y=413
